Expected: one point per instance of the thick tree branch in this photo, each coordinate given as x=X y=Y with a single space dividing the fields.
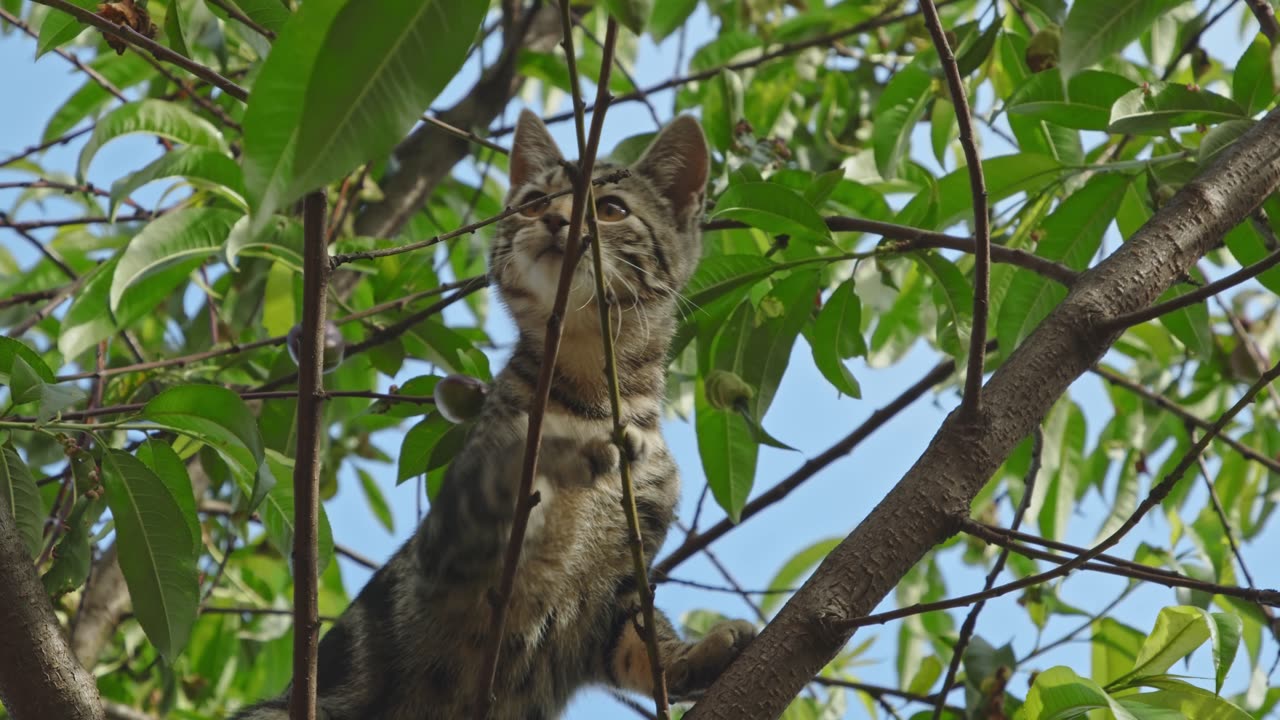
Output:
x=919 y=512
x=39 y=675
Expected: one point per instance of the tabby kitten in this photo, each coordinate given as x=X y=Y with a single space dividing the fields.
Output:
x=411 y=645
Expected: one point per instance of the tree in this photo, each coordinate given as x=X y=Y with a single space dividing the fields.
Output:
x=891 y=183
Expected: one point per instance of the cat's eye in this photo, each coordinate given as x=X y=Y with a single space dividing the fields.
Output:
x=534 y=211
x=611 y=209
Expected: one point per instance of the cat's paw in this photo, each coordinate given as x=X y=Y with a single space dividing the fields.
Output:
x=602 y=456
x=704 y=660
x=634 y=444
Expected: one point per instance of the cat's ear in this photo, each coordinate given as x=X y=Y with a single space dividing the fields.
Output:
x=533 y=151
x=678 y=163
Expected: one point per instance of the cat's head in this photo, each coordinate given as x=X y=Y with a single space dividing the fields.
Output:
x=649 y=222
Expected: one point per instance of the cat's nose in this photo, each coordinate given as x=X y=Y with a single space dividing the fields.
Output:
x=554 y=221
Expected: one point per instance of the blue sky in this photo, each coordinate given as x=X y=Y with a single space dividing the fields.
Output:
x=806 y=413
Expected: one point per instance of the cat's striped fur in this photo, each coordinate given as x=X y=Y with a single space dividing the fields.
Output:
x=411 y=644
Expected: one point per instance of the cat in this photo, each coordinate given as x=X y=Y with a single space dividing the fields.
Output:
x=411 y=645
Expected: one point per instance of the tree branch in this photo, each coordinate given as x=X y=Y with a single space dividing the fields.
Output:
x=128 y=35
x=1119 y=323
x=919 y=512
x=981 y=220
x=39 y=675
x=306 y=471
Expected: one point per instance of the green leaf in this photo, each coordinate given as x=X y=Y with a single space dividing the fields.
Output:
x=719 y=275
x=10 y=351
x=762 y=359
x=368 y=88
x=86 y=324
x=774 y=208
x=1225 y=630
x=203 y=167
x=419 y=443
x=1062 y=458
x=1005 y=175
x=1159 y=107
x=24 y=382
x=156 y=117
x=1060 y=694
x=1220 y=137
x=728 y=453
x=377 y=501
x=166 y=464
x=794 y=569
x=156 y=554
x=1246 y=246
x=632 y=14
x=1184 y=700
x=1113 y=646
x=1071 y=234
x=1085 y=106
x=215 y=416
x=837 y=335
x=123 y=71
x=275 y=108
x=180 y=235
x=270 y=14
x=1095 y=29
x=1189 y=324
x=278 y=510
x=73 y=556
x=20 y=497
x=668 y=16
x=1253 y=84
x=900 y=107
x=953 y=295
x=59 y=27
x=1179 y=630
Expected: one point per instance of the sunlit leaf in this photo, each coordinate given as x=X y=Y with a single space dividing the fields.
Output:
x=155 y=117
x=180 y=235
x=1095 y=29
x=1159 y=107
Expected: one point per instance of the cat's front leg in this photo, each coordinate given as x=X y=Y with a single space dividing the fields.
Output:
x=689 y=667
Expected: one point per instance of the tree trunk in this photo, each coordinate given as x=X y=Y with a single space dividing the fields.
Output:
x=39 y=677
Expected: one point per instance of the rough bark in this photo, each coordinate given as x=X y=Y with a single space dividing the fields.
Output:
x=918 y=513
x=39 y=676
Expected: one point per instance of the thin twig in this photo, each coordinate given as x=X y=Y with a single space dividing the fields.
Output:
x=971 y=620
x=464 y=134
x=47 y=309
x=40 y=247
x=247 y=21
x=26 y=298
x=1204 y=292
x=1133 y=571
x=525 y=497
x=33 y=149
x=160 y=52
x=1154 y=497
x=972 y=401
x=639 y=565
x=883 y=20
x=1168 y=405
x=904 y=238
x=877 y=691
x=94 y=75
x=306 y=473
